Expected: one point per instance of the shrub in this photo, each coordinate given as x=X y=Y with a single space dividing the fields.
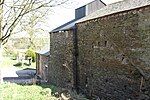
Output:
x=14 y=55
x=30 y=53
x=18 y=64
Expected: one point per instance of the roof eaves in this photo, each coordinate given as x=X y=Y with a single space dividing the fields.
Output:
x=67 y=26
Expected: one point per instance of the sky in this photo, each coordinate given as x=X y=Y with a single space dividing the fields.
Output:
x=65 y=13
x=61 y=15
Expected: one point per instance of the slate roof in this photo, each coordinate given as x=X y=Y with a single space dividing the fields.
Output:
x=44 y=51
x=116 y=7
x=71 y=24
x=66 y=26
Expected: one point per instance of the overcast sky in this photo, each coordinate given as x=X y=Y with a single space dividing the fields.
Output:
x=65 y=13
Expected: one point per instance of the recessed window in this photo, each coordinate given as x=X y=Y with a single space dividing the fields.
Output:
x=105 y=44
x=86 y=80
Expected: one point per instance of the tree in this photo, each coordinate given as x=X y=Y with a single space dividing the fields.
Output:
x=30 y=26
x=12 y=13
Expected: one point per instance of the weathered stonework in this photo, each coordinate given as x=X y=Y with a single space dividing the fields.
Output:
x=61 y=58
x=108 y=47
x=42 y=66
x=108 y=57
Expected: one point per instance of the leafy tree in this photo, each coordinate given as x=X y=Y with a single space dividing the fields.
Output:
x=30 y=26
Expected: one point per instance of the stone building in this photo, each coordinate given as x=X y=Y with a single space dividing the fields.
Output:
x=114 y=51
x=107 y=52
x=62 y=69
x=42 y=59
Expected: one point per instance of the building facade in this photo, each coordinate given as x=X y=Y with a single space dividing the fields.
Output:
x=62 y=68
x=107 y=52
x=42 y=63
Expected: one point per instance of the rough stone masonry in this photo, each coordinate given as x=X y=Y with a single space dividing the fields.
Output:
x=114 y=51
x=113 y=56
x=61 y=59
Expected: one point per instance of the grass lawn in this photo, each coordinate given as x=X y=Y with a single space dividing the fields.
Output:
x=11 y=91
x=8 y=62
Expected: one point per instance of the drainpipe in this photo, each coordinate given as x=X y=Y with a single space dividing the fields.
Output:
x=75 y=60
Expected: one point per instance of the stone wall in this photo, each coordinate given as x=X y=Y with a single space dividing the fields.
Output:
x=61 y=58
x=42 y=66
x=114 y=51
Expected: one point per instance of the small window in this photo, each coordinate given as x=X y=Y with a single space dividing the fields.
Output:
x=86 y=81
x=105 y=43
x=98 y=43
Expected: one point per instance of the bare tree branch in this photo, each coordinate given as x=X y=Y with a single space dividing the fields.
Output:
x=2 y=2
x=11 y=27
x=21 y=9
x=9 y=30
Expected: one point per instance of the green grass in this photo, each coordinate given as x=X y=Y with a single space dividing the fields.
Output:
x=11 y=91
x=8 y=62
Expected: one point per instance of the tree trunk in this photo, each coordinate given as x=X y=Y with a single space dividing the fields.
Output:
x=1 y=17
x=1 y=54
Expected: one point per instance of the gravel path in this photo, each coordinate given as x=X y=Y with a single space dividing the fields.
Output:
x=16 y=75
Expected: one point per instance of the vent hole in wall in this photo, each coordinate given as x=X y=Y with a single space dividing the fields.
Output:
x=105 y=43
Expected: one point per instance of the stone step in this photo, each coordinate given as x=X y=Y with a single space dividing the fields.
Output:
x=19 y=80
